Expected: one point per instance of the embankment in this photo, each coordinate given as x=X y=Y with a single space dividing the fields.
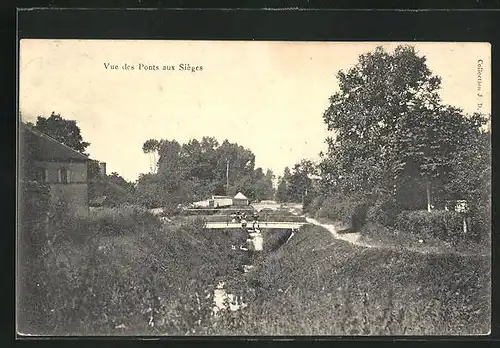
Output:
x=318 y=285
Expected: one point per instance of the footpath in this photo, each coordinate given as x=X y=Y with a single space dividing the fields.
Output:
x=355 y=239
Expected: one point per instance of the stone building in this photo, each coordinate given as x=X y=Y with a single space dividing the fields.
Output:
x=63 y=170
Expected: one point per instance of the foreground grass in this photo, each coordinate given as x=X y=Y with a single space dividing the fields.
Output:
x=124 y=273
x=316 y=285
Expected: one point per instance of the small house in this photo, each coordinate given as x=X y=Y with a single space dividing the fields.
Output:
x=221 y=201
x=63 y=170
x=240 y=200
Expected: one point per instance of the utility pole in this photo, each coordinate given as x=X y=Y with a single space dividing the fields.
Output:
x=227 y=178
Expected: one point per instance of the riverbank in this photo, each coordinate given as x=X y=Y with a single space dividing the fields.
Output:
x=318 y=285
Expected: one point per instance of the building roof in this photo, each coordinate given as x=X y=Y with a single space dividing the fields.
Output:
x=240 y=196
x=45 y=148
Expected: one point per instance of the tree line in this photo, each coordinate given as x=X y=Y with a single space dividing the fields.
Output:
x=394 y=139
x=180 y=173
x=199 y=169
x=393 y=135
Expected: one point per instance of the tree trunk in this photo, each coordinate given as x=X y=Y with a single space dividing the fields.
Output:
x=428 y=186
x=227 y=178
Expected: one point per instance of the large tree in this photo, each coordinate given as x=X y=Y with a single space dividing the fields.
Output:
x=391 y=132
x=65 y=131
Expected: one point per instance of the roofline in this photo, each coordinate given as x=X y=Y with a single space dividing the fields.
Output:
x=84 y=157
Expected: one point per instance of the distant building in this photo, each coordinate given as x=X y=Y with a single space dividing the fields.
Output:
x=240 y=200
x=220 y=201
x=63 y=170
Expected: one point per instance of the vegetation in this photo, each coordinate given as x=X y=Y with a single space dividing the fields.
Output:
x=317 y=285
x=199 y=169
x=397 y=147
x=297 y=185
x=397 y=153
x=64 y=131
x=119 y=271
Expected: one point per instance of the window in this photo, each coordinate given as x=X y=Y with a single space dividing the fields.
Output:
x=41 y=175
x=63 y=175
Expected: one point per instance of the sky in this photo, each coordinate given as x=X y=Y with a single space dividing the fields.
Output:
x=266 y=96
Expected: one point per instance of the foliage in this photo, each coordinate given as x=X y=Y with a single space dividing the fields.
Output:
x=316 y=203
x=275 y=238
x=316 y=285
x=296 y=185
x=86 y=278
x=445 y=225
x=384 y=211
x=197 y=170
x=64 y=131
x=392 y=133
x=349 y=209
x=114 y=187
x=120 y=221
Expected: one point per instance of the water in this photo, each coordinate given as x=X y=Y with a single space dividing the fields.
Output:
x=222 y=300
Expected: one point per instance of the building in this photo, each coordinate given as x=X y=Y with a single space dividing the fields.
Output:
x=240 y=200
x=220 y=202
x=46 y=161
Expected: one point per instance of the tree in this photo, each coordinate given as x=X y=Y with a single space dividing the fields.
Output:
x=391 y=131
x=283 y=186
x=300 y=183
x=151 y=147
x=198 y=169
x=64 y=131
x=263 y=184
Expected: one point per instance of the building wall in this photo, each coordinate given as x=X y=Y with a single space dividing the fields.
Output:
x=75 y=192
x=240 y=202
x=77 y=171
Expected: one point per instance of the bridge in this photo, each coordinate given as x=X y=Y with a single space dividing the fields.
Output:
x=262 y=224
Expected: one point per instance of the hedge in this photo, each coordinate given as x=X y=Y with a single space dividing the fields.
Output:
x=441 y=224
x=350 y=210
x=384 y=211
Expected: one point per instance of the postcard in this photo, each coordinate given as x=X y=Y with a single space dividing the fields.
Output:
x=254 y=188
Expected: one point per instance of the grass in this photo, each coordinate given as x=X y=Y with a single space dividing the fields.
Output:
x=317 y=285
x=112 y=283
x=379 y=235
x=133 y=275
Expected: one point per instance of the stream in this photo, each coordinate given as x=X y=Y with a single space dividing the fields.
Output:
x=223 y=300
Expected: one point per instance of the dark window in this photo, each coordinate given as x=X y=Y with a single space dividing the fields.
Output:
x=63 y=175
x=41 y=175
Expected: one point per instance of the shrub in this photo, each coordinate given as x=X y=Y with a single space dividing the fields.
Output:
x=276 y=238
x=123 y=220
x=444 y=225
x=350 y=209
x=384 y=211
x=315 y=204
x=480 y=221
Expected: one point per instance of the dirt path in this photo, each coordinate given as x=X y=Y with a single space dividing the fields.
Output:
x=355 y=239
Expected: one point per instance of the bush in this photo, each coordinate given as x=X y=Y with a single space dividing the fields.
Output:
x=315 y=205
x=481 y=221
x=441 y=224
x=124 y=220
x=350 y=210
x=384 y=211
x=276 y=238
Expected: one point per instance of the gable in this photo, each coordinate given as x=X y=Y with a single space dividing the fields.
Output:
x=41 y=147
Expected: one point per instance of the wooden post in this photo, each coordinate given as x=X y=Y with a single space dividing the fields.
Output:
x=465 y=224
